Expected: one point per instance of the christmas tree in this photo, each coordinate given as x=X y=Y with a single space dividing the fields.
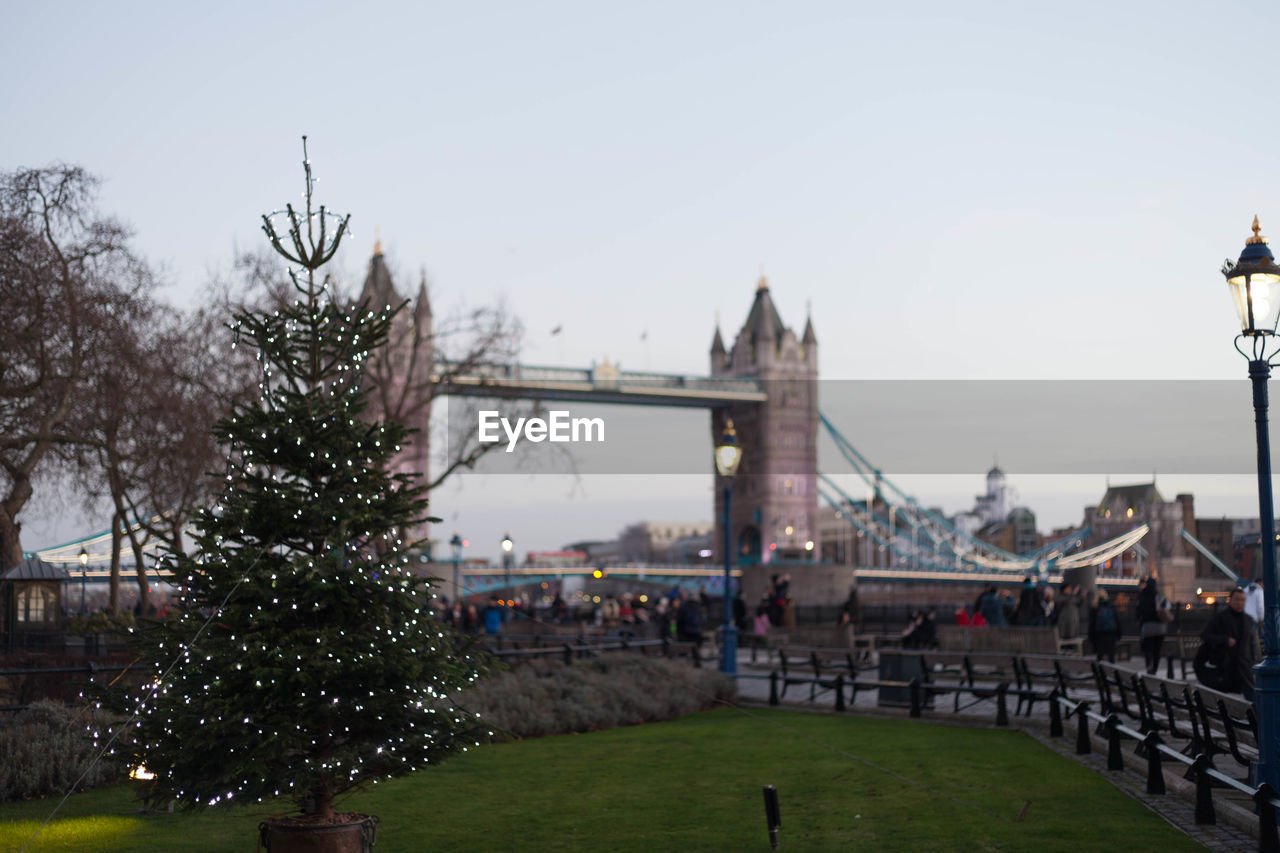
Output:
x=304 y=660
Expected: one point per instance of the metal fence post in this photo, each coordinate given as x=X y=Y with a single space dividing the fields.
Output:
x=1083 y=745
x=915 y=697
x=1268 y=841
x=1204 y=791
x=1055 y=715
x=772 y=814
x=568 y=654
x=840 y=692
x=1002 y=703
x=1155 y=773
x=1115 y=758
x=773 y=687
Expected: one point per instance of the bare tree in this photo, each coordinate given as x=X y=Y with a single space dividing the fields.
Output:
x=423 y=357
x=67 y=276
x=149 y=448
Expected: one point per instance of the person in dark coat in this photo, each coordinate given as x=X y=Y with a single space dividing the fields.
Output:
x=1104 y=627
x=689 y=621
x=991 y=607
x=851 y=611
x=740 y=612
x=1229 y=635
x=1151 y=626
x=1070 y=601
x=1028 y=612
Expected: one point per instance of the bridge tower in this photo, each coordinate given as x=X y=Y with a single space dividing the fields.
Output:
x=401 y=374
x=775 y=495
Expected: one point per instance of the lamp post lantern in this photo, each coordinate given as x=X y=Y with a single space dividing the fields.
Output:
x=728 y=456
x=84 y=569
x=507 y=547
x=457 y=544
x=1254 y=281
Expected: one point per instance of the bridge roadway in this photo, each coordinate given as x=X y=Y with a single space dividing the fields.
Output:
x=481 y=579
x=603 y=383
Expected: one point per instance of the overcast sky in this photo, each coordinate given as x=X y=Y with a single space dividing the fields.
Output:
x=960 y=191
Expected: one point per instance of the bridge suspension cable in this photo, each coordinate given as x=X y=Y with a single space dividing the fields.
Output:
x=925 y=539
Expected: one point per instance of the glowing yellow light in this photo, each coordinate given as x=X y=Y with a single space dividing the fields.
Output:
x=1208 y=599
x=644 y=599
x=141 y=773
x=597 y=574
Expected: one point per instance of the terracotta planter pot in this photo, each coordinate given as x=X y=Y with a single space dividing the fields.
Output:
x=352 y=833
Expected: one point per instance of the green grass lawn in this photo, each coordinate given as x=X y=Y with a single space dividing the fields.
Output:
x=689 y=784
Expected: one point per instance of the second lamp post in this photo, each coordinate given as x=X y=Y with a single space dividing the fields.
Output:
x=728 y=456
x=1254 y=280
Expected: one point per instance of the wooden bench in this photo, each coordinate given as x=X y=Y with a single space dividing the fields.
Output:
x=1017 y=639
x=1180 y=648
x=825 y=663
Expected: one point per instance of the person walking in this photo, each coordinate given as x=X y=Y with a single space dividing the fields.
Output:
x=991 y=608
x=689 y=622
x=1070 y=601
x=493 y=616
x=851 y=615
x=1104 y=627
x=1028 y=612
x=1228 y=647
x=1153 y=609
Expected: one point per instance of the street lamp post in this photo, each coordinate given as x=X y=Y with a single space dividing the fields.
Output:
x=507 y=545
x=84 y=569
x=728 y=456
x=1254 y=281
x=457 y=544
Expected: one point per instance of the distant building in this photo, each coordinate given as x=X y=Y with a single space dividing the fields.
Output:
x=1234 y=541
x=1124 y=508
x=1016 y=533
x=664 y=541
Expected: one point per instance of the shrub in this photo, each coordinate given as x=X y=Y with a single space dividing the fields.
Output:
x=547 y=697
x=101 y=621
x=48 y=747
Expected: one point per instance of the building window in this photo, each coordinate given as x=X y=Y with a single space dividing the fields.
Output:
x=35 y=605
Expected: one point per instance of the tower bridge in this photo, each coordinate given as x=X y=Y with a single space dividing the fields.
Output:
x=766 y=382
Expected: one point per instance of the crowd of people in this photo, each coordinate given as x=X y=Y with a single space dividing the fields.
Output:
x=1073 y=614
x=1229 y=649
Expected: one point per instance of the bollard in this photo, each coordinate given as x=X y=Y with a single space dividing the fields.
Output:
x=1115 y=759
x=1268 y=841
x=772 y=815
x=1155 y=773
x=1204 y=791
x=1055 y=715
x=1002 y=703
x=915 y=697
x=840 y=692
x=773 y=687
x=1083 y=745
